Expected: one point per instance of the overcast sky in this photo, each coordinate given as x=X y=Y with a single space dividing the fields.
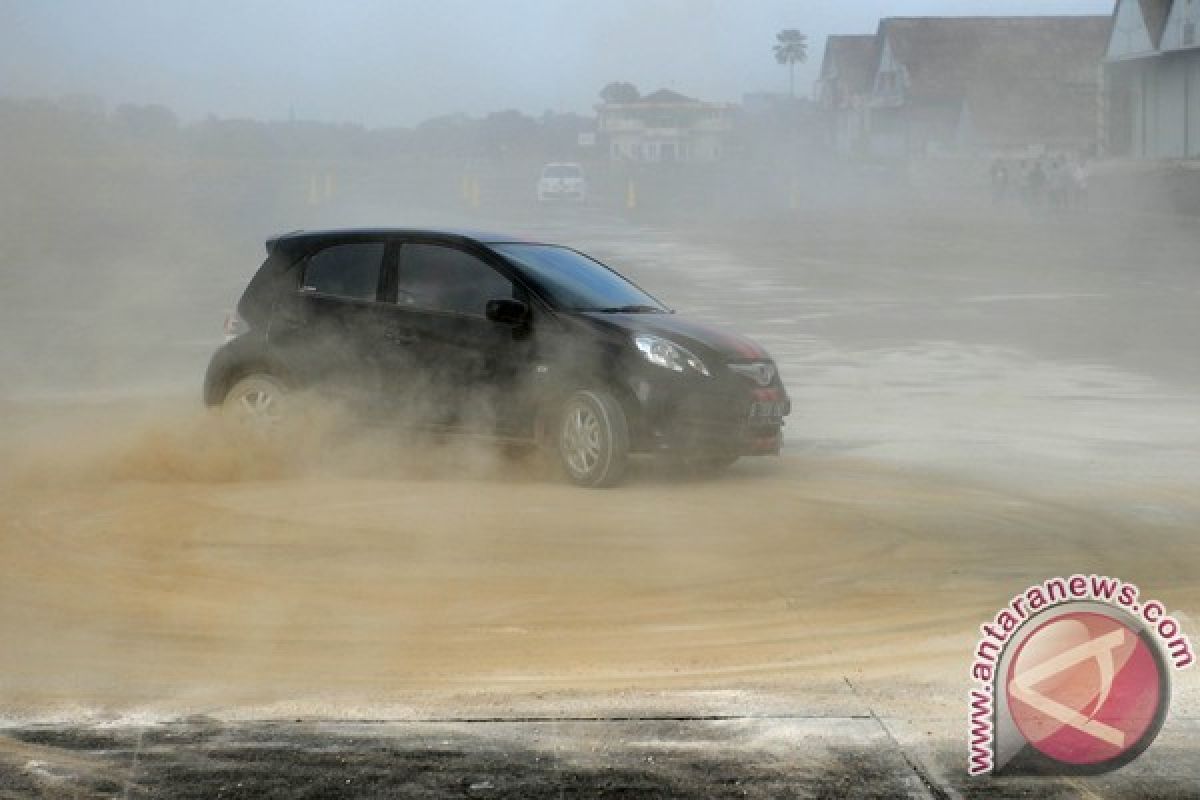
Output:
x=396 y=62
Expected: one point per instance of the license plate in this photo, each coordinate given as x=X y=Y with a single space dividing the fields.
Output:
x=767 y=410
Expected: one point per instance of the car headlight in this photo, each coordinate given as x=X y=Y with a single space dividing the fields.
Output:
x=665 y=353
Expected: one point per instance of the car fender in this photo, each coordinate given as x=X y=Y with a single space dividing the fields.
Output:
x=245 y=355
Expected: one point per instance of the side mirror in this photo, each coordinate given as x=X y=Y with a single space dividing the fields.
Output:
x=507 y=312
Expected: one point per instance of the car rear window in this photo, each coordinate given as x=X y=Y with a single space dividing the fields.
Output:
x=345 y=270
x=562 y=171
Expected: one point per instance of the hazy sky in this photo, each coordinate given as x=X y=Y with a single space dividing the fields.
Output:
x=396 y=62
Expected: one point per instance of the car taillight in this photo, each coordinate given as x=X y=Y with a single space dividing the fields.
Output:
x=234 y=325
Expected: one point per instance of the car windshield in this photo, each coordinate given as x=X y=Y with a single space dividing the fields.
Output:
x=575 y=282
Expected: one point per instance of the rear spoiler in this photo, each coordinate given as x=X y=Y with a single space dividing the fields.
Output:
x=273 y=242
x=255 y=305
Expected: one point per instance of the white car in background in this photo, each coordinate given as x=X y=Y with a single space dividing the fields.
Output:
x=562 y=182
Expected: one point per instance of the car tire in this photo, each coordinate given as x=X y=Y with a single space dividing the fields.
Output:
x=257 y=401
x=591 y=438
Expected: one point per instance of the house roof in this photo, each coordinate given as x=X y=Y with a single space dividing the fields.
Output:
x=663 y=100
x=851 y=60
x=1140 y=27
x=666 y=97
x=1020 y=79
x=1155 y=12
x=944 y=57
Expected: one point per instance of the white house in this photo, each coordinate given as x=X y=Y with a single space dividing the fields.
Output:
x=1153 y=80
x=665 y=126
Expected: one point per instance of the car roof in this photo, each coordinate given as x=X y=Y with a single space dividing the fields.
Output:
x=303 y=237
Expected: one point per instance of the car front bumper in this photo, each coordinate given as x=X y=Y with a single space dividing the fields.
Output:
x=726 y=417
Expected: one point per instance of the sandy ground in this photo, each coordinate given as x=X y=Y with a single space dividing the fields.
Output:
x=320 y=595
x=949 y=449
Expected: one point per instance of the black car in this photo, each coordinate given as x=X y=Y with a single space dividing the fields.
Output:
x=528 y=342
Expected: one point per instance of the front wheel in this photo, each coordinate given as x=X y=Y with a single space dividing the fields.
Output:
x=592 y=439
x=257 y=401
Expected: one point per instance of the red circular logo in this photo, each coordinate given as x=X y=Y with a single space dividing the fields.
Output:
x=1085 y=688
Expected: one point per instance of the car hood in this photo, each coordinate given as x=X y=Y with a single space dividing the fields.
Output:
x=699 y=337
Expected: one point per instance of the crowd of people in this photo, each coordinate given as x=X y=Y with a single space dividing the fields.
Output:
x=1053 y=180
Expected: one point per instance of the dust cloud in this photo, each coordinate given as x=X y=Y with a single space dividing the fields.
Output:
x=984 y=397
x=168 y=574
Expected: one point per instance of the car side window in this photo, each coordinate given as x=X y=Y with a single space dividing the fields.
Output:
x=345 y=270
x=438 y=278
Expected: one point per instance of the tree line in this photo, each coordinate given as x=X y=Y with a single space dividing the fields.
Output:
x=84 y=127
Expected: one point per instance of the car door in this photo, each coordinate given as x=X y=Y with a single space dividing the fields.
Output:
x=450 y=365
x=325 y=330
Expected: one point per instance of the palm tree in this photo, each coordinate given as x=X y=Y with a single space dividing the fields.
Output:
x=791 y=48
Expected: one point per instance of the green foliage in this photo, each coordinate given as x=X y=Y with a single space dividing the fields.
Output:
x=620 y=92
x=791 y=47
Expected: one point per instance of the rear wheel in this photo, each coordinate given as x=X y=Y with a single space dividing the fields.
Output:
x=592 y=439
x=257 y=401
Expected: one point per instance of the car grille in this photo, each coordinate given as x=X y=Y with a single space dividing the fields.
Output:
x=761 y=373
